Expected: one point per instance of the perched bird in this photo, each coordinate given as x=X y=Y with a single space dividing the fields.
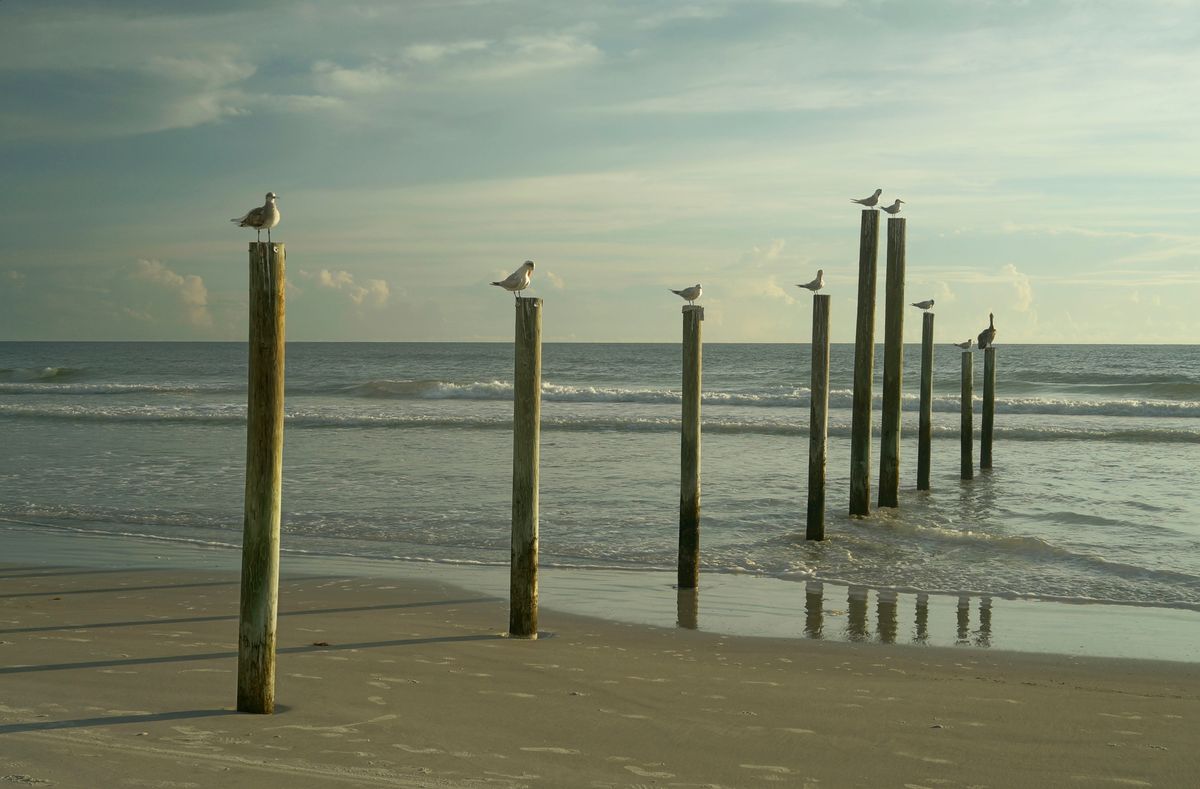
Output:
x=988 y=335
x=262 y=218
x=689 y=294
x=518 y=280
x=871 y=201
x=923 y=305
x=965 y=345
x=894 y=208
x=817 y=283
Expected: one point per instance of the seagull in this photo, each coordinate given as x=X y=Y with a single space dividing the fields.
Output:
x=988 y=335
x=923 y=305
x=817 y=283
x=871 y=201
x=518 y=280
x=689 y=294
x=262 y=218
x=894 y=208
x=965 y=345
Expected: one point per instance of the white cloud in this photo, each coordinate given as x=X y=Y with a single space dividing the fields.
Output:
x=189 y=289
x=556 y=281
x=1021 y=286
x=376 y=292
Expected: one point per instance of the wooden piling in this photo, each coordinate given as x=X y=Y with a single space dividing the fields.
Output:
x=893 y=366
x=527 y=421
x=989 y=407
x=864 y=363
x=818 y=419
x=925 y=427
x=689 y=454
x=966 y=465
x=264 y=473
x=687 y=608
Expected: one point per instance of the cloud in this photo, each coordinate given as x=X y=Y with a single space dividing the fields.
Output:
x=556 y=281
x=189 y=289
x=16 y=279
x=1020 y=283
x=376 y=292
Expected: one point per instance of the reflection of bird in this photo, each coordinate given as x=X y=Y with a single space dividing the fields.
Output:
x=923 y=305
x=262 y=218
x=965 y=345
x=894 y=208
x=518 y=280
x=689 y=294
x=817 y=283
x=988 y=335
x=869 y=202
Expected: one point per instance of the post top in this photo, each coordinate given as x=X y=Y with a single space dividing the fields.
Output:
x=696 y=308
x=532 y=302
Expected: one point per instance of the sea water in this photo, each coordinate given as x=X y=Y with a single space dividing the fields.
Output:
x=403 y=451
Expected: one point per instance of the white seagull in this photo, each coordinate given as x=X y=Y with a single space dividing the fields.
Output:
x=689 y=294
x=965 y=345
x=923 y=305
x=817 y=283
x=988 y=335
x=894 y=208
x=871 y=201
x=262 y=218
x=518 y=280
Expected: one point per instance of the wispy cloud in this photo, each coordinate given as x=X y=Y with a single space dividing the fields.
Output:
x=189 y=289
x=373 y=292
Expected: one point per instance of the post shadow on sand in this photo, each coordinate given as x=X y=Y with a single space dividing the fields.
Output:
x=297 y=650
x=111 y=720
x=231 y=617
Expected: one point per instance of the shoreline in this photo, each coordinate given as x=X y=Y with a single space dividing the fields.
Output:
x=726 y=603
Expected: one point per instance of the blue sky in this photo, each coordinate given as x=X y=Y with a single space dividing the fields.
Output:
x=1049 y=154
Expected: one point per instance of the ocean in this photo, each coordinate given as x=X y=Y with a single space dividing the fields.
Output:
x=402 y=451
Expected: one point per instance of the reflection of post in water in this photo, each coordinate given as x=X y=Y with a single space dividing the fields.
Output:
x=687 y=608
x=964 y=620
x=814 y=616
x=983 y=636
x=922 y=632
x=856 y=627
x=885 y=610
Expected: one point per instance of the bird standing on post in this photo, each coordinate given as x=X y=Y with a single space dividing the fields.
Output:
x=965 y=345
x=988 y=335
x=689 y=294
x=518 y=280
x=817 y=283
x=262 y=218
x=894 y=208
x=870 y=202
x=923 y=305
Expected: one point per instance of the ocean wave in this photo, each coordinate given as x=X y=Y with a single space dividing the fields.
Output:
x=38 y=373
x=714 y=424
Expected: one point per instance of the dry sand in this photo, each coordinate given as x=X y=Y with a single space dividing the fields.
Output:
x=126 y=679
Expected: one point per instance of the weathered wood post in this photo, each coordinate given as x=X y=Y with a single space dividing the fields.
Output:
x=893 y=367
x=687 y=608
x=818 y=420
x=527 y=430
x=989 y=407
x=264 y=475
x=925 y=427
x=689 y=450
x=864 y=367
x=965 y=464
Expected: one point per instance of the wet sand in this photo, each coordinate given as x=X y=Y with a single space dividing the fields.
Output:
x=112 y=678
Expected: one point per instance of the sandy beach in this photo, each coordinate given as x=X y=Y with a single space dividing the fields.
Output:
x=126 y=678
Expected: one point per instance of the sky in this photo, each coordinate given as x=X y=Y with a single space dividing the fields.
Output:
x=1048 y=153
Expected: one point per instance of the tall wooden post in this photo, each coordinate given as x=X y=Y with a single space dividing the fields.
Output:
x=925 y=428
x=966 y=465
x=264 y=475
x=989 y=407
x=527 y=430
x=818 y=419
x=687 y=608
x=893 y=367
x=689 y=451
x=864 y=367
